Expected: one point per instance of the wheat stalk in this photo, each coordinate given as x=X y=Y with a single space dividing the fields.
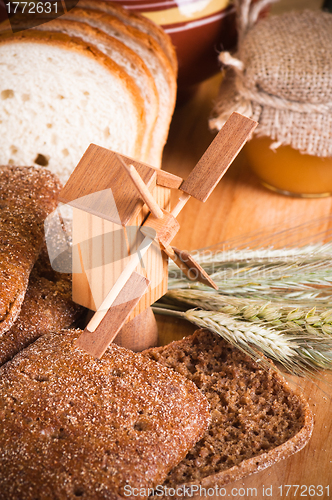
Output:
x=275 y=302
x=299 y=353
x=315 y=320
x=301 y=274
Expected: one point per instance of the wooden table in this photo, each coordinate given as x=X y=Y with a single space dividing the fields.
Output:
x=238 y=206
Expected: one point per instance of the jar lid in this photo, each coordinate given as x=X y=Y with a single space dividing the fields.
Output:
x=281 y=76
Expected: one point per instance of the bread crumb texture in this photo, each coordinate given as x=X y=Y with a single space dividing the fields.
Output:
x=56 y=98
x=73 y=426
x=256 y=418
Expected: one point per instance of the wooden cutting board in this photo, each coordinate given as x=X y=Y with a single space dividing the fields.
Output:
x=239 y=208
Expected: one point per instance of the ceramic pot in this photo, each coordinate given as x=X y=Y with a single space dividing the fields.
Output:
x=199 y=30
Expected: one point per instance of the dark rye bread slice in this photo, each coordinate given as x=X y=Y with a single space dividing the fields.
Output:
x=27 y=196
x=73 y=426
x=257 y=419
x=47 y=307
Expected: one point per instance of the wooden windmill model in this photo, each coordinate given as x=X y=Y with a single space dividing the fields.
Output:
x=122 y=233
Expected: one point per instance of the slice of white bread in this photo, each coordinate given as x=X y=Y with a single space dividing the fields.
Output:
x=257 y=419
x=127 y=59
x=138 y=21
x=57 y=95
x=154 y=58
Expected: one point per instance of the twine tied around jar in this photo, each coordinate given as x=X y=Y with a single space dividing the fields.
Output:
x=281 y=76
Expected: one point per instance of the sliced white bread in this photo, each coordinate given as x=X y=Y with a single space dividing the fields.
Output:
x=127 y=59
x=154 y=58
x=138 y=21
x=57 y=95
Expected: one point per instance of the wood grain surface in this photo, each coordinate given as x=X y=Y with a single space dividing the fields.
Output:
x=240 y=210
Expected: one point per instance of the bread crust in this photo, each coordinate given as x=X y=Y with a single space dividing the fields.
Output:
x=131 y=32
x=137 y=21
x=90 y=427
x=68 y=43
x=190 y=357
x=47 y=307
x=27 y=196
x=139 y=72
x=153 y=52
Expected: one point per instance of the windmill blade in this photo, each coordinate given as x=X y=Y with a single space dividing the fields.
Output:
x=141 y=188
x=194 y=271
x=97 y=341
x=203 y=179
x=218 y=157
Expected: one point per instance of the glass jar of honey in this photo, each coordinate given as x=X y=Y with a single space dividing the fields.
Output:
x=281 y=76
x=289 y=172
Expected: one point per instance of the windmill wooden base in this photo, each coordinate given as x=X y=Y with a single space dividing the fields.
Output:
x=140 y=333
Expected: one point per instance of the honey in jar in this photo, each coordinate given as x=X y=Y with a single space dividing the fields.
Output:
x=281 y=76
x=287 y=171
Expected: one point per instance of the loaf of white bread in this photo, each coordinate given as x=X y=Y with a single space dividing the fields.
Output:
x=97 y=74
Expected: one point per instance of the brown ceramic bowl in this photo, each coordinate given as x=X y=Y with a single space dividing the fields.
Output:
x=199 y=30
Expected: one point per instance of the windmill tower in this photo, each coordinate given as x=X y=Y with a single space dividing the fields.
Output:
x=122 y=233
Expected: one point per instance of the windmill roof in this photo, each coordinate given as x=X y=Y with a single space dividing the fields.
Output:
x=100 y=185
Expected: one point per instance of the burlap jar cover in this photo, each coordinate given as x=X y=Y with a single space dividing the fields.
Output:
x=281 y=76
